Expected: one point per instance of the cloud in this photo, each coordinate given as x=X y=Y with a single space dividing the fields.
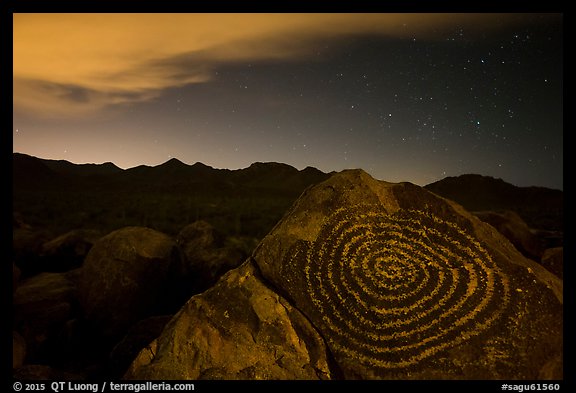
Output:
x=52 y=99
x=76 y=64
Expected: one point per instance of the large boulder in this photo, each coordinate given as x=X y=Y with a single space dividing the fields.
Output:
x=403 y=284
x=238 y=329
x=126 y=277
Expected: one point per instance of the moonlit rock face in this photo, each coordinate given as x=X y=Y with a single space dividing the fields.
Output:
x=393 y=290
x=404 y=284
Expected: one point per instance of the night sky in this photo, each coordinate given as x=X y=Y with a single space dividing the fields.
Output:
x=406 y=97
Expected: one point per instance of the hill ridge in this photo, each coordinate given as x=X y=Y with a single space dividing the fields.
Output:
x=62 y=196
x=540 y=207
x=57 y=165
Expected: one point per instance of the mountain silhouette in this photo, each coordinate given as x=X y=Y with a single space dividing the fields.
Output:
x=540 y=207
x=61 y=195
x=66 y=167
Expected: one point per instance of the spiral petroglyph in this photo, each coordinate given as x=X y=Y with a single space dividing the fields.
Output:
x=392 y=290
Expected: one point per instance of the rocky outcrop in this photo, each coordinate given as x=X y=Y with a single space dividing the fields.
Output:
x=93 y=320
x=361 y=279
x=127 y=277
x=388 y=281
x=239 y=329
x=403 y=284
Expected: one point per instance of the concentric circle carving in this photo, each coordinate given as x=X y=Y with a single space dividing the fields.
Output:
x=391 y=290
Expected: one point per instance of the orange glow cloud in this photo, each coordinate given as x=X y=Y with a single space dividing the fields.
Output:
x=77 y=64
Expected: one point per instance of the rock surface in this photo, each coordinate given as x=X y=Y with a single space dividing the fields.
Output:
x=403 y=284
x=26 y=245
x=137 y=338
x=364 y=279
x=68 y=251
x=239 y=329
x=553 y=260
x=43 y=305
x=205 y=258
x=513 y=228
x=126 y=277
